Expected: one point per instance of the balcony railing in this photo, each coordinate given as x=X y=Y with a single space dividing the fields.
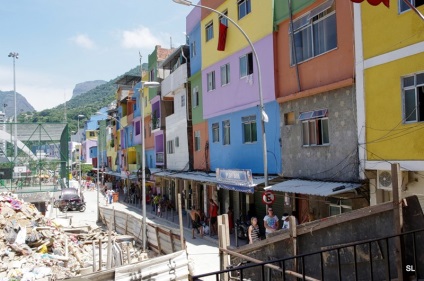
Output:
x=174 y=81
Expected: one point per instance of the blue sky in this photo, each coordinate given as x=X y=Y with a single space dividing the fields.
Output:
x=65 y=42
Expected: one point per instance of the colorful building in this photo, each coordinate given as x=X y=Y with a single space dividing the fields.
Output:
x=390 y=78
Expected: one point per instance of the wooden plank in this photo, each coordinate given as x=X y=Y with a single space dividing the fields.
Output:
x=157 y=237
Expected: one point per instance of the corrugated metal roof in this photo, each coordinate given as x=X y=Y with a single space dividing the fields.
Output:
x=318 y=188
x=198 y=176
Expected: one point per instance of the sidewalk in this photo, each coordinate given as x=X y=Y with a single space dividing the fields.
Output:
x=171 y=219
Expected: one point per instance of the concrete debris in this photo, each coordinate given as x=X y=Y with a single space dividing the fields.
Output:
x=33 y=247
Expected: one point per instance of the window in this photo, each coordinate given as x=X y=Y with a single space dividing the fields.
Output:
x=209 y=31
x=246 y=65
x=92 y=134
x=314 y=33
x=339 y=206
x=226 y=132
x=182 y=100
x=137 y=128
x=249 y=129
x=289 y=118
x=197 y=140
x=315 y=127
x=193 y=49
x=152 y=75
x=170 y=147
x=211 y=81
x=244 y=8
x=215 y=132
x=224 y=20
x=225 y=74
x=413 y=98
x=404 y=7
x=195 y=97
x=177 y=142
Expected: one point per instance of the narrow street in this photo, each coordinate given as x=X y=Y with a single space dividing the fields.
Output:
x=202 y=252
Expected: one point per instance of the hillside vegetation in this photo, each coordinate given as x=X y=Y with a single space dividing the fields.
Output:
x=86 y=104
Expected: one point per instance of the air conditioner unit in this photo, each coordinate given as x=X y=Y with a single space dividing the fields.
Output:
x=384 y=179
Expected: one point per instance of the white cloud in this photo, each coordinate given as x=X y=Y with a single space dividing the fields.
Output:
x=83 y=41
x=138 y=38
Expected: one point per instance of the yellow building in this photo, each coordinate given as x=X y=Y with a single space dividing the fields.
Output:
x=254 y=27
x=390 y=88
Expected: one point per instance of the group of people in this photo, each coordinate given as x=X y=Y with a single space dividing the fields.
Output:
x=199 y=221
x=271 y=224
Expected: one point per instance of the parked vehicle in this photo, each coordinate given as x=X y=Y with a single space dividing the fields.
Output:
x=75 y=204
x=242 y=227
x=70 y=200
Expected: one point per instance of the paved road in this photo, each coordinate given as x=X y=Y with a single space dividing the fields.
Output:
x=202 y=252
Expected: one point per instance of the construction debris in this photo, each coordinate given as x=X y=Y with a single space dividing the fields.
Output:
x=33 y=247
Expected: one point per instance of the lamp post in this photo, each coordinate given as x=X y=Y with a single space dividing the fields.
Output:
x=15 y=56
x=264 y=117
x=147 y=84
x=80 y=153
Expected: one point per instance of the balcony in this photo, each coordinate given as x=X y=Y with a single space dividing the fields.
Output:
x=174 y=81
x=155 y=124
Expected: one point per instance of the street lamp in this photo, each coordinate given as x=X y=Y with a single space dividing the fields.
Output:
x=15 y=56
x=80 y=153
x=144 y=84
x=264 y=116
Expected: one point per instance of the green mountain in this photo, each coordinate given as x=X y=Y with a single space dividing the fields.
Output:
x=86 y=104
x=7 y=104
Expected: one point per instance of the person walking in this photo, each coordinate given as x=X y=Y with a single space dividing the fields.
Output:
x=253 y=231
x=110 y=196
x=195 y=223
x=271 y=222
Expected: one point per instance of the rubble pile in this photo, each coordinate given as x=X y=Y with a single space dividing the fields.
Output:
x=33 y=247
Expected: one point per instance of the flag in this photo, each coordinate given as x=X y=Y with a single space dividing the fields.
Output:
x=222 y=36
x=374 y=2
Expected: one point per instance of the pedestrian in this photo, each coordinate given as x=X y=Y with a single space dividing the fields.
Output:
x=271 y=222
x=213 y=213
x=286 y=221
x=253 y=231
x=195 y=223
x=110 y=196
x=125 y=193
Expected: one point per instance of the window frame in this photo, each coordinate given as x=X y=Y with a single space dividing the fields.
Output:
x=226 y=132
x=170 y=147
x=402 y=7
x=223 y=19
x=197 y=145
x=211 y=85
x=246 y=5
x=418 y=87
x=209 y=31
x=248 y=58
x=196 y=97
x=308 y=21
x=249 y=121
x=225 y=74
x=315 y=128
x=193 y=49
x=215 y=132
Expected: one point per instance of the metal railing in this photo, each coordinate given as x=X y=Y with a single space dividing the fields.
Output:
x=374 y=259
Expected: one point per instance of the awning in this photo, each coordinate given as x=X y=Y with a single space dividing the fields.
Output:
x=209 y=178
x=239 y=188
x=318 y=188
